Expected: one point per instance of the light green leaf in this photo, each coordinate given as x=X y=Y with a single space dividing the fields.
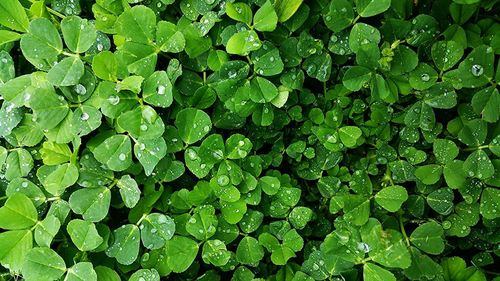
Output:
x=82 y=271
x=79 y=34
x=129 y=191
x=265 y=18
x=240 y=12
x=46 y=230
x=156 y=230
x=18 y=212
x=43 y=264
x=181 y=252
x=13 y=15
x=42 y=40
x=370 y=8
x=115 y=152
x=193 y=124
x=392 y=197
x=249 y=251
x=243 y=42
x=285 y=9
x=349 y=135
x=84 y=235
x=125 y=247
x=137 y=24
x=372 y=272
x=91 y=203
x=14 y=245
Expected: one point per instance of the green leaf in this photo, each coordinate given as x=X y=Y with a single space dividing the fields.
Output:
x=125 y=247
x=441 y=200
x=478 y=165
x=156 y=230
x=243 y=42
x=490 y=199
x=91 y=203
x=428 y=237
x=340 y=15
x=203 y=223
x=486 y=103
x=349 y=135
x=446 y=54
x=169 y=38
x=429 y=174
x=158 y=90
x=285 y=9
x=43 y=264
x=145 y=274
x=392 y=197
x=181 y=252
x=115 y=152
x=13 y=15
x=356 y=78
x=49 y=108
x=129 y=191
x=215 y=252
x=362 y=34
x=150 y=152
x=372 y=272
x=137 y=24
x=249 y=251
x=42 y=40
x=193 y=124
x=105 y=66
x=56 y=179
x=84 y=235
x=18 y=164
x=240 y=12
x=370 y=8
x=445 y=150
x=265 y=18
x=81 y=271
x=14 y=245
x=18 y=212
x=46 y=230
x=79 y=34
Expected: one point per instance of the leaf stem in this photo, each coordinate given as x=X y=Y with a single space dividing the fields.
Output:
x=141 y=219
x=476 y=148
x=55 y=13
x=401 y=225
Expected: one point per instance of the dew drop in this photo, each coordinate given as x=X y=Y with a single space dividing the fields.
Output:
x=477 y=70
x=122 y=156
x=80 y=89
x=85 y=116
x=425 y=77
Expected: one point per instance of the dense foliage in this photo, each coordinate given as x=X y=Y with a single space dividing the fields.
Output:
x=249 y=140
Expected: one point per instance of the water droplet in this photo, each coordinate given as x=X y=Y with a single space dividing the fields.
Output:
x=85 y=116
x=114 y=100
x=477 y=70
x=80 y=89
x=143 y=127
x=223 y=180
x=24 y=184
x=425 y=77
x=363 y=247
x=122 y=156
x=161 y=90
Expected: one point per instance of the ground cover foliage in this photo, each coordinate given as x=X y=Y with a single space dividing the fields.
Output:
x=250 y=140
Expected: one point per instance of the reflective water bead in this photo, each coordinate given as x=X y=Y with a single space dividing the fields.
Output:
x=477 y=70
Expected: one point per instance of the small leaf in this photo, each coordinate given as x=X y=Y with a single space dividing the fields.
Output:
x=392 y=197
x=428 y=237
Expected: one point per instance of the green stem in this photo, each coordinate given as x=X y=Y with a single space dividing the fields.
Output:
x=401 y=225
x=55 y=13
x=476 y=148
